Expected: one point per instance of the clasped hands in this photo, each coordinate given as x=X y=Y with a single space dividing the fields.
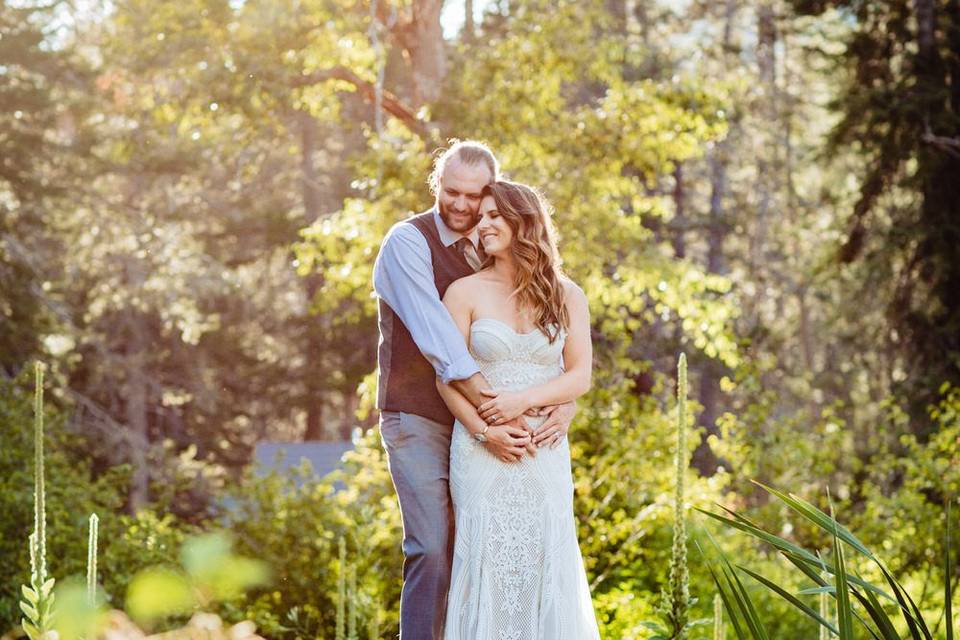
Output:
x=513 y=436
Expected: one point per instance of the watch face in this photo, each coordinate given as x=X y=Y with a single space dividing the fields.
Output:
x=479 y=437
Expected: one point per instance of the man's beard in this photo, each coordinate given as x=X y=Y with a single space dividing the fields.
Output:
x=450 y=221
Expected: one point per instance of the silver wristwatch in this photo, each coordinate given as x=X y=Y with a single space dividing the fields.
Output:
x=481 y=436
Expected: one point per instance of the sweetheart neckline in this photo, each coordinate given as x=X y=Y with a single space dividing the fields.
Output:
x=501 y=322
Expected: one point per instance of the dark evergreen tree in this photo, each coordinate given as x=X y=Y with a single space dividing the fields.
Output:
x=901 y=110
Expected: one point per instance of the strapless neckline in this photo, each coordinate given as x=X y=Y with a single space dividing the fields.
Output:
x=506 y=326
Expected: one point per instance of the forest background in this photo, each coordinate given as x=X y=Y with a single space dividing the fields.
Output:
x=192 y=195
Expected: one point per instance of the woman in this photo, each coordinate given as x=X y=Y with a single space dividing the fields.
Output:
x=517 y=570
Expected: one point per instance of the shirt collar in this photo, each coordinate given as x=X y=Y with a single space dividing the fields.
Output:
x=448 y=236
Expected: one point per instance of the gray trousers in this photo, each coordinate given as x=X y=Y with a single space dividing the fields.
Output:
x=418 y=454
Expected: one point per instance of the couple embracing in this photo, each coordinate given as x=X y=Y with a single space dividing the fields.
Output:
x=484 y=346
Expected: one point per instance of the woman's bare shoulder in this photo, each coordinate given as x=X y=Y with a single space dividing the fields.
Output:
x=572 y=289
x=466 y=286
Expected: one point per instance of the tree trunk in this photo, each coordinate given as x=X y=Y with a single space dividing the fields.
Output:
x=766 y=63
x=422 y=37
x=469 y=28
x=349 y=419
x=135 y=396
x=680 y=215
x=925 y=14
x=313 y=375
x=938 y=332
x=704 y=459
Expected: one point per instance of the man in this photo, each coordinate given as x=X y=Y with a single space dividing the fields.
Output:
x=419 y=258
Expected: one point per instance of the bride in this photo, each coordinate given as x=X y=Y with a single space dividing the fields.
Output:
x=517 y=569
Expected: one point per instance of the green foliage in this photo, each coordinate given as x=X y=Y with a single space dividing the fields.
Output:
x=839 y=579
x=210 y=573
x=78 y=618
x=39 y=170
x=295 y=523
x=126 y=543
x=696 y=205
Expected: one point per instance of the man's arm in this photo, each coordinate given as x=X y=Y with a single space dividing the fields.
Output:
x=472 y=388
x=506 y=441
x=403 y=278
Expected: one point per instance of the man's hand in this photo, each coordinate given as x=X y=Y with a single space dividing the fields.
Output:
x=472 y=388
x=555 y=427
x=503 y=406
x=509 y=442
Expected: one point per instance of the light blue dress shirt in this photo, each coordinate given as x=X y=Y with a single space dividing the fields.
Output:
x=403 y=278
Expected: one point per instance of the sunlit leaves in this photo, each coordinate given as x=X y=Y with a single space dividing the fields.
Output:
x=211 y=572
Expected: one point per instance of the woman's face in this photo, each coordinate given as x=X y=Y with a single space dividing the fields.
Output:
x=495 y=233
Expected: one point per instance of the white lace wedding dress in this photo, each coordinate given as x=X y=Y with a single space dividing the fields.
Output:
x=517 y=570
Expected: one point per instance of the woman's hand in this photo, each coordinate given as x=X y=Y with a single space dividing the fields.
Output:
x=509 y=442
x=503 y=406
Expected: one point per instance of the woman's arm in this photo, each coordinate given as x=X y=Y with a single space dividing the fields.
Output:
x=570 y=385
x=507 y=442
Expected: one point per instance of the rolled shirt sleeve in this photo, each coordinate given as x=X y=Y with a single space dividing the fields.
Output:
x=403 y=278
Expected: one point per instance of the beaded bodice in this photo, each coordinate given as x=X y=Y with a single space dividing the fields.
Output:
x=513 y=361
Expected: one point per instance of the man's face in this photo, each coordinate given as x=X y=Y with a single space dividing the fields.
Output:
x=459 y=196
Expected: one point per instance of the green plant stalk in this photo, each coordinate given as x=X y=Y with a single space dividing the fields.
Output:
x=342 y=593
x=373 y=624
x=92 y=560
x=719 y=630
x=352 y=599
x=824 y=608
x=676 y=601
x=38 y=598
x=947 y=575
x=39 y=490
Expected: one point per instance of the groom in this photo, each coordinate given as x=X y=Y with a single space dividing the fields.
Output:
x=419 y=258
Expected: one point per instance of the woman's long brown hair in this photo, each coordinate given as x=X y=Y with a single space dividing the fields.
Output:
x=537 y=285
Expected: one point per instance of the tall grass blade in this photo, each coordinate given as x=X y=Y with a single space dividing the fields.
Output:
x=904 y=609
x=804 y=565
x=725 y=594
x=879 y=616
x=760 y=534
x=728 y=604
x=752 y=619
x=844 y=611
x=819 y=518
x=790 y=598
x=911 y=613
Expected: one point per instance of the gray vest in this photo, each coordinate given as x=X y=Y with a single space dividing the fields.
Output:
x=407 y=380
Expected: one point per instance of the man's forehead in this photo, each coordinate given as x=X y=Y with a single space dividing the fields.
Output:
x=458 y=172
